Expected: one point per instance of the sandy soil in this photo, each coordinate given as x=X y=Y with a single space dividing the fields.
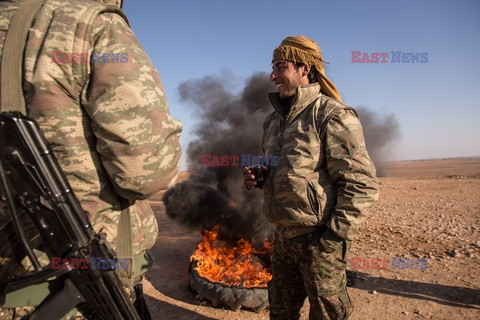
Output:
x=427 y=210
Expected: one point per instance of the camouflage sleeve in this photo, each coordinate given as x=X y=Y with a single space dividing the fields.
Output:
x=137 y=138
x=353 y=174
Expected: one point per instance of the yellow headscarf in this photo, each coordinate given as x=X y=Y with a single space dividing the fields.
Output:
x=304 y=50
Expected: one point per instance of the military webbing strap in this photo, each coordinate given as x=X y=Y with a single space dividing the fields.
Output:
x=124 y=245
x=12 y=57
x=137 y=264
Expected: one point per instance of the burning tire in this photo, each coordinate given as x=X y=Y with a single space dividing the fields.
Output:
x=235 y=297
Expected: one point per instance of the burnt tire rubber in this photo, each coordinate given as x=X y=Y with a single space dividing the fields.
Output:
x=234 y=297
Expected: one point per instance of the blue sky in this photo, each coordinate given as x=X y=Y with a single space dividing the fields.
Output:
x=437 y=103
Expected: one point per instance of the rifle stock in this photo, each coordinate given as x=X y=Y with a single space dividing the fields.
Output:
x=38 y=197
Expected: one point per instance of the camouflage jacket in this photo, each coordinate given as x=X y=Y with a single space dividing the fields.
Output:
x=101 y=105
x=321 y=178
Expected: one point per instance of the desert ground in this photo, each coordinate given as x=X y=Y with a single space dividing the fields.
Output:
x=427 y=210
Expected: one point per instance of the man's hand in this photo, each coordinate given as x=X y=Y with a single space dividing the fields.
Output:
x=249 y=182
x=252 y=181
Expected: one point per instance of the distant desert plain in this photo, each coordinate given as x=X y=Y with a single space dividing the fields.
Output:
x=428 y=212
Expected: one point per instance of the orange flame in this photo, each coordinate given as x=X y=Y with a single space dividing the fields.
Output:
x=233 y=266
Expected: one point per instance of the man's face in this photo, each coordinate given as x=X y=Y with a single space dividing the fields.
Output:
x=288 y=77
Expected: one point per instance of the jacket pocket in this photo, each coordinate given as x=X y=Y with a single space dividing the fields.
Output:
x=318 y=200
x=312 y=196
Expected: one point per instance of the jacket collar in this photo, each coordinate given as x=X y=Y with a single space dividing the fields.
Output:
x=306 y=94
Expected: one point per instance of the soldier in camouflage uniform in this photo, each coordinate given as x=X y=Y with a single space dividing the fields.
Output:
x=101 y=105
x=319 y=193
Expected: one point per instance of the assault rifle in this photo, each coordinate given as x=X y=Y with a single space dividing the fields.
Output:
x=41 y=213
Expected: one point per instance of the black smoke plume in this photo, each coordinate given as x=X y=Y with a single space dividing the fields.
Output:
x=231 y=125
x=381 y=133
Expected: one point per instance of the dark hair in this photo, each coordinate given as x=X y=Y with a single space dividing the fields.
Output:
x=312 y=77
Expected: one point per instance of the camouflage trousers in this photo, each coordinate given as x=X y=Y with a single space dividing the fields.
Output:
x=301 y=269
